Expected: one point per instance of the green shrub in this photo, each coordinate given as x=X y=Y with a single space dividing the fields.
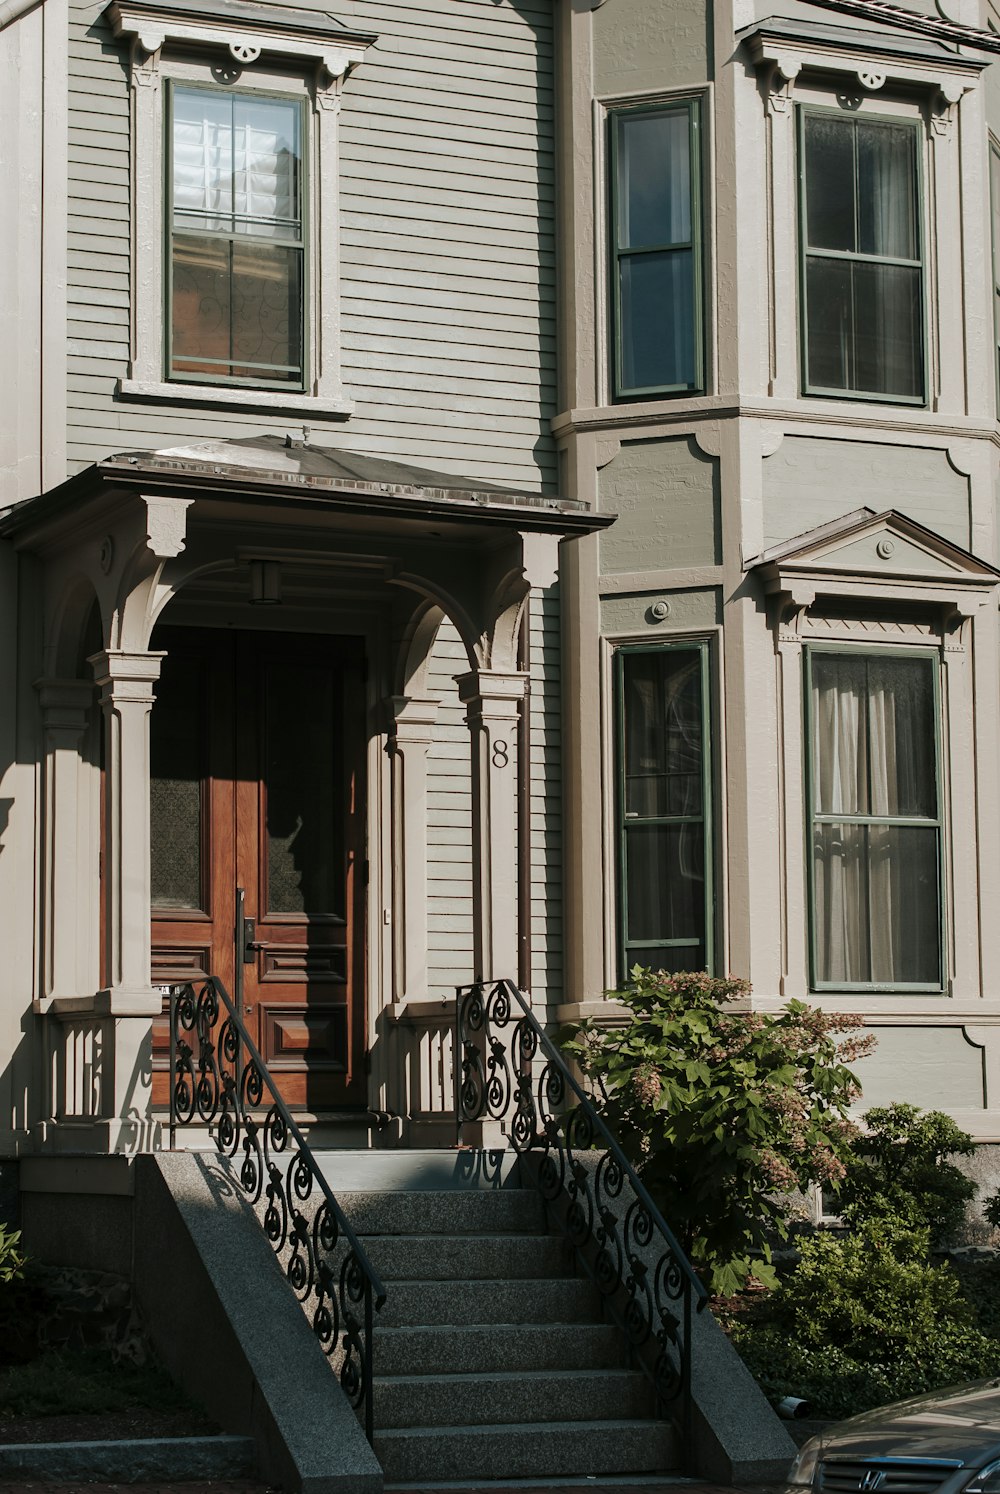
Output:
x=898 y=1169
x=722 y=1112
x=863 y=1319
x=12 y=1261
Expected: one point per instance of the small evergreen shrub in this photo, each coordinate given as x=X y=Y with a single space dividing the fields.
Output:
x=864 y=1319
x=898 y=1169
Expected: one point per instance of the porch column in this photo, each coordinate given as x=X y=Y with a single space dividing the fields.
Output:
x=411 y=731
x=491 y=699
x=69 y=861
x=126 y=683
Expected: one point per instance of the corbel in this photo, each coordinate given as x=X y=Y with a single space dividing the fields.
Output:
x=779 y=83
x=166 y=525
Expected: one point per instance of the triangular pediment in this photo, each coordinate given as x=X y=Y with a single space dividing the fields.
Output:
x=878 y=555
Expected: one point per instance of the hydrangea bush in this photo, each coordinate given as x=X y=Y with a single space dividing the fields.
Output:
x=723 y=1110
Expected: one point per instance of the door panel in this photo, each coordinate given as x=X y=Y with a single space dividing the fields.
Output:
x=269 y=798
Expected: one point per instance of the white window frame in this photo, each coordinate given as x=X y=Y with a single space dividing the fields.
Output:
x=309 y=66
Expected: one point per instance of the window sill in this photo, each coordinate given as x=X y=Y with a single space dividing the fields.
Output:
x=294 y=402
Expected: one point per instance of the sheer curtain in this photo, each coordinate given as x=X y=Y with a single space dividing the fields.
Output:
x=875 y=884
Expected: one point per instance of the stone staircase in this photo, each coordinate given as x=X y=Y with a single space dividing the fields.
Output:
x=492 y=1359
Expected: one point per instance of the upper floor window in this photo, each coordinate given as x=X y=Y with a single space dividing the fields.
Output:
x=656 y=249
x=237 y=248
x=664 y=805
x=875 y=822
x=862 y=271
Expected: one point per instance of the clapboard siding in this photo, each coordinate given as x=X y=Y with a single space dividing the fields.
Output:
x=447 y=234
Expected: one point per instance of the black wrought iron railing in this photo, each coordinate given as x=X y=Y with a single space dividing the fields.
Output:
x=508 y=1070
x=220 y=1081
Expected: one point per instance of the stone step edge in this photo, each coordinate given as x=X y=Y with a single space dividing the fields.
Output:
x=510 y=1376
x=661 y=1482
x=506 y=1428
x=133 y=1460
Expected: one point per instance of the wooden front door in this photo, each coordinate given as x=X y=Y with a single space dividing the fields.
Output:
x=257 y=783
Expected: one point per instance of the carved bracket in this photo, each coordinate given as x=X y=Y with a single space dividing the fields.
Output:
x=166 y=525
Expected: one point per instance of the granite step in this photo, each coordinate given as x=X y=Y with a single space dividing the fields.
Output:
x=518 y=1396
x=527 y=1450
x=451 y=1212
x=436 y=1303
x=486 y=1257
x=475 y=1349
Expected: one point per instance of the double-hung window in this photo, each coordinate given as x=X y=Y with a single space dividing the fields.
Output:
x=862 y=270
x=664 y=807
x=236 y=274
x=875 y=820
x=656 y=250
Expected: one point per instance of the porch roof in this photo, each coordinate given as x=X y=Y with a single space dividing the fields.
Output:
x=281 y=471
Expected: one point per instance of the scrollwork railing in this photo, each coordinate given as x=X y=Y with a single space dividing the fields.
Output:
x=508 y=1070
x=220 y=1081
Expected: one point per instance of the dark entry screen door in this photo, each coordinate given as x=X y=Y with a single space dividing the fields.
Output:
x=256 y=782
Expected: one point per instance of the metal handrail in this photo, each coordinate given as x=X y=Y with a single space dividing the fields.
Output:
x=223 y=1086
x=614 y=1229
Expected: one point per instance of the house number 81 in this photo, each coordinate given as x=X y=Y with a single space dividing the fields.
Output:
x=499 y=754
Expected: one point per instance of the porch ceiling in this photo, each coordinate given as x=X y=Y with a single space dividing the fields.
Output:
x=280 y=478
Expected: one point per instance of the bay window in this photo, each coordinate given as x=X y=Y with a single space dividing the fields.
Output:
x=656 y=249
x=862 y=290
x=664 y=804
x=875 y=820
x=237 y=251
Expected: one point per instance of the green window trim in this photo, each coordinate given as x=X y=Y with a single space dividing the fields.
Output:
x=810 y=254
x=297 y=243
x=669 y=249
x=630 y=950
x=931 y=825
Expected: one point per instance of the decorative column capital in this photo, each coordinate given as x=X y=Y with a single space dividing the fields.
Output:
x=123 y=676
x=492 y=692
x=410 y=718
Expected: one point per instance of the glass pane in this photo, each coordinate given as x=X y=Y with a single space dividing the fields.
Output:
x=653 y=179
x=235 y=163
x=665 y=882
x=876 y=905
x=887 y=190
x=901 y=737
x=305 y=840
x=657 y=320
x=663 y=733
x=839 y=728
x=267 y=310
x=201 y=305
x=265 y=165
x=830 y=323
x=673 y=959
x=888 y=343
x=175 y=735
x=202 y=158
x=830 y=182
x=873 y=737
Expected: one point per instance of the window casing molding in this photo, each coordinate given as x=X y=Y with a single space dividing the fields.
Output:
x=611 y=113
x=877 y=583
x=232 y=54
x=869 y=74
x=629 y=951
